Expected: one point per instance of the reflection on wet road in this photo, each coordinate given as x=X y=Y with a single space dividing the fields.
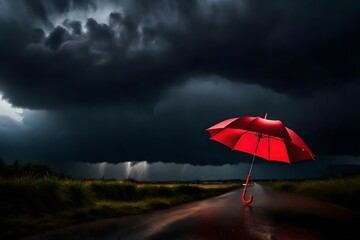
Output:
x=272 y=215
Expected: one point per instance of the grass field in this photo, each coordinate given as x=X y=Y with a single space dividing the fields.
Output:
x=32 y=204
x=33 y=199
x=344 y=191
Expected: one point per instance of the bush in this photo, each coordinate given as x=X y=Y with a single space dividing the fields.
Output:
x=30 y=196
x=77 y=194
x=38 y=196
x=114 y=191
x=16 y=170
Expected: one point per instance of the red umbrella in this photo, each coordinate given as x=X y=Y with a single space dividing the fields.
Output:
x=268 y=139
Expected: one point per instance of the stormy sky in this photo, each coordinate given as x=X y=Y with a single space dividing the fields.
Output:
x=119 y=81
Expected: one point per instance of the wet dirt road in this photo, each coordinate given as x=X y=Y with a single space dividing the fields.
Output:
x=272 y=215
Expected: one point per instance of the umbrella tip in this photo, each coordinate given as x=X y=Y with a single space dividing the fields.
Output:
x=265 y=116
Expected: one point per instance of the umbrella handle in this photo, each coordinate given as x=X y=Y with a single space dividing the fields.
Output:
x=244 y=192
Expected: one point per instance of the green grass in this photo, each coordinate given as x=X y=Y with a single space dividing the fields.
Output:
x=32 y=204
x=341 y=191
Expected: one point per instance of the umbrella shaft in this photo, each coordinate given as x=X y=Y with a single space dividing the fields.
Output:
x=252 y=163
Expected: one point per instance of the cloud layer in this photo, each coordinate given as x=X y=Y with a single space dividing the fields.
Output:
x=68 y=53
x=141 y=80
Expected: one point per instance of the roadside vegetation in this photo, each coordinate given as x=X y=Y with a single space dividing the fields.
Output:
x=344 y=191
x=33 y=199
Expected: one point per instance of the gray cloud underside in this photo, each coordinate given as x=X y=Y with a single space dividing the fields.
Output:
x=174 y=129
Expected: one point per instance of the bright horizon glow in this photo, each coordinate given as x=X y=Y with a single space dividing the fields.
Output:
x=8 y=110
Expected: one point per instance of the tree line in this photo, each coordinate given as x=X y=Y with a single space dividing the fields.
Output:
x=17 y=169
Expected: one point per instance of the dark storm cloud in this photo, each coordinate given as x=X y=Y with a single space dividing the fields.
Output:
x=57 y=37
x=144 y=47
x=38 y=9
x=141 y=80
x=75 y=26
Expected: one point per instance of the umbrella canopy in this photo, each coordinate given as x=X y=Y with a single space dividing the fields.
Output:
x=273 y=140
x=268 y=139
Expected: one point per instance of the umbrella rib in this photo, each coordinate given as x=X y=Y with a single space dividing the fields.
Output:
x=217 y=132
x=239 y=139
x=290 y=142
x=268 y=149
x=251 y=123
x=287 y=152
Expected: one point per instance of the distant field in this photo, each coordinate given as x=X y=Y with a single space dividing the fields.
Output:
x=341 y=191
x=32 y=204
x=200 y=185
